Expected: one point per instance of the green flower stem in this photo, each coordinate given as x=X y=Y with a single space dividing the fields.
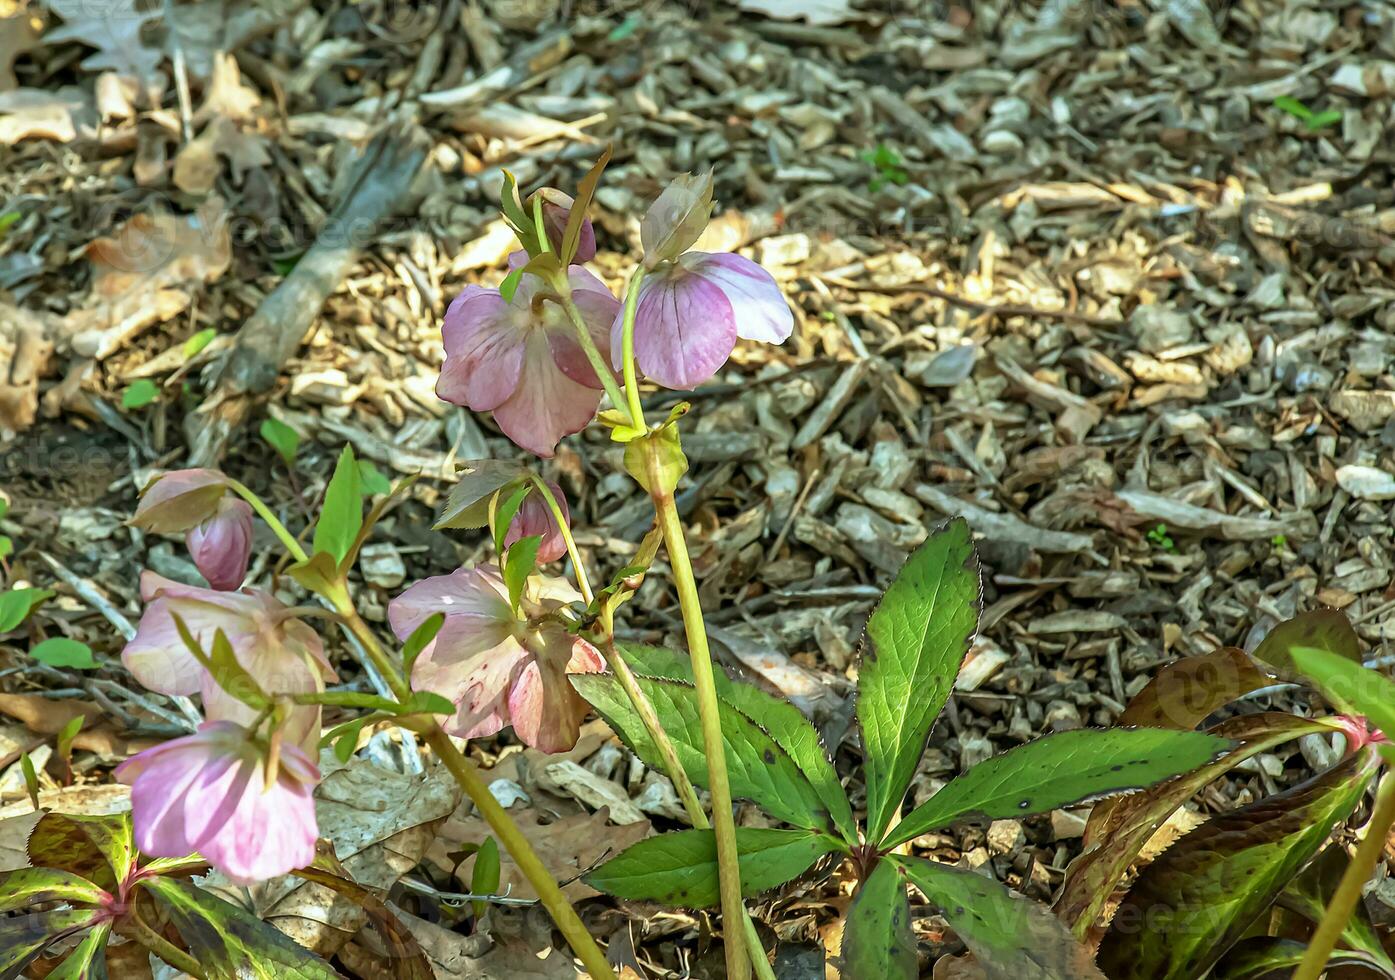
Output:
x=582 y=582
x=508 y=834
x=272 y=521
x=627 y=348
x=583 y=336
x=136 y=928
x=1354 y=879
x=502 y=825
x=724 y=825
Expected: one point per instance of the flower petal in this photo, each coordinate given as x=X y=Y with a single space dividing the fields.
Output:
x=484 y=350
x=179 y=500
x=599 y=308
x=544 y=708
x=222 y=545
x=535 y=517
x=547 y=404
x=684 y=329
x=759 y=308
x=156 y=655
x=476 y=592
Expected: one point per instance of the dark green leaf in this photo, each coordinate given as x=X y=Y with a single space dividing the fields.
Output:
x=1182 y=694
x=785 y=723
x=1322 y=629
x=877 y=940
x=911 y=653
x=98 y=848
x=419 y=639
x=24 y=937
x=139 y=394
x=1060 y=770
x=1311 y=892
x=59 y=651
x=282 y=438
x=232 y=944
x=1012 y=938
x=758 y=768
x=88 y=961
x=1272 y=958
x=1200 y=896
x=1348 y=685
x=404 y=953
x=504 y=514
x=519 y=563
x=1118 y=828
x=468 y=503
x=681 y=868
x=17 y=604
x=27 y=887
x=342 y=512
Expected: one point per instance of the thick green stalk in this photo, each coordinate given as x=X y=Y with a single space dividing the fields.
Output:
x=627 y=348
x=1349 y=889
x=500 y=823
x=723 y=822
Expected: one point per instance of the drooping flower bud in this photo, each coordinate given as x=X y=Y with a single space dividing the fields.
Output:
x=676 y=219
x=556 y=211
x=222 y=545
x=179 y=500
x=210 y=794
x=535 y=517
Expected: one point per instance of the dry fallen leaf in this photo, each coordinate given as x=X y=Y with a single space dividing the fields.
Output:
x=24 y=353
x=113 y=27
x=19 y=32
x=27 y=113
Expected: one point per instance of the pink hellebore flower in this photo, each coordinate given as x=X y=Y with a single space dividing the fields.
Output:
x=520 y=360
x=178 y=500
x=222 y=545
x=498 y=668
x=535 y=517
x=282 y=654
x=208 y=793
x=694 y=305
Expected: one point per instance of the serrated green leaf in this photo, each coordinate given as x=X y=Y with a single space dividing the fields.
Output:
x=1060 y=770
x=1311 y=893
x=418 y=640
x=1182 y=694
x=139 y=394
x=17 y=604
x=758 y=768
x=282 y=438
x=505 y=512
x=1269 y=958
x=877 y=940
x=782 y=720
x=680 y=868
x=408 y=960
x=1118 y=828
x=27 y=887
x=88 y=960
x=199 y=341
x=24 y=937
x=341 y=515
x=519 y=563
x=1010 y=936
x=98 y=848
x=60 y=651
x=1348 y=685
x=233 y=944
x=915 y=642
x=1322 y=629
x=1201 y=896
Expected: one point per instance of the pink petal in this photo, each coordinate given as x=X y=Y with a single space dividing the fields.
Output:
x=759 y=307
x=179 y=500
x=156 y=655
x=547 y=404
x=271 y=831
x=684 y=329
x=535 y=517
x=222 y=545
x=477 y=685
x=484 y=349
x=599 y=308
x=477 y=593
x=545 y=710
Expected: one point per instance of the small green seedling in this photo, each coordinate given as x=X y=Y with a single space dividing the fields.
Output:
x=1161 y=539
x=887 y=162
x=1313 y=120
x=139 y=394
x=282 y=438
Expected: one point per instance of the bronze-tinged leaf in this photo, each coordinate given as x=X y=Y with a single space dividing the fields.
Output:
x=1118 y=828
x=1183 y=693
x=1201 y=896
x=1272 y=958
x=98 y=848
x=27 y=887
x=1311 y=892
x=1322 y=629
x=877 y=940
x=23 y=938
x=585 y=192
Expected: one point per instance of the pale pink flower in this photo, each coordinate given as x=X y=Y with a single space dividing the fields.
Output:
x=521 y=361
x=179 y=500
x=535 y=517
x=691 y=312
x=222 y=545
x=498 y=668
x=281 y=653
x=208 y=793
